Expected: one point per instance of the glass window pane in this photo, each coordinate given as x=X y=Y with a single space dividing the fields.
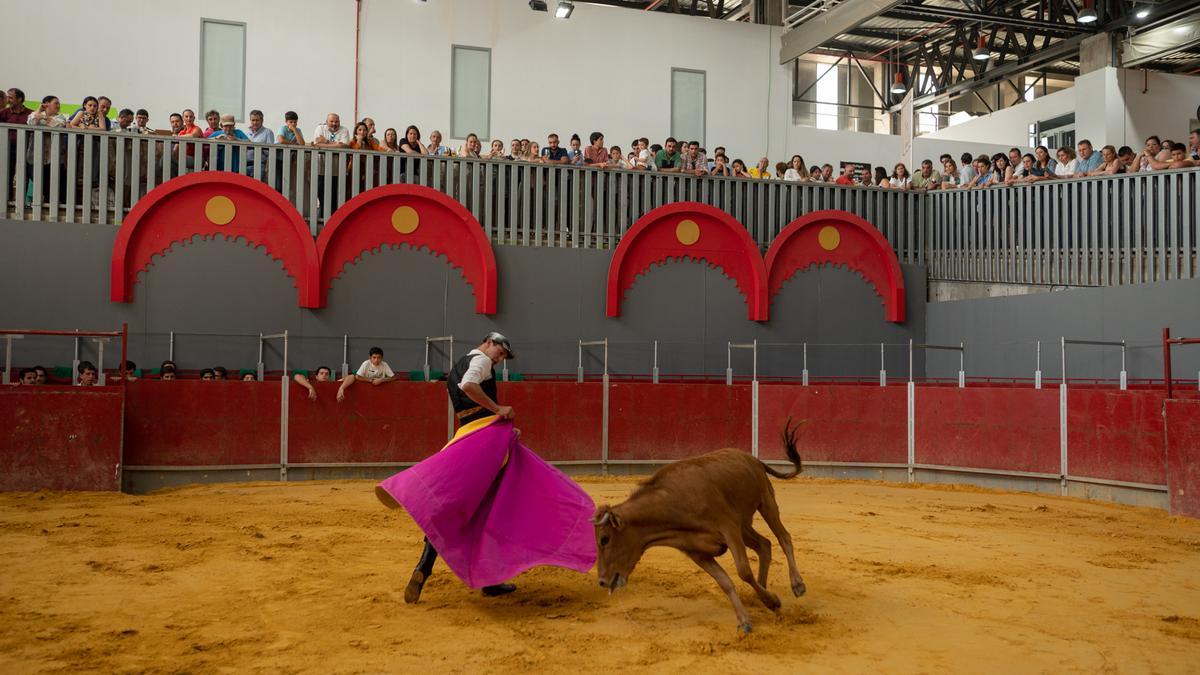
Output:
x=222 y=67
x=687 y=105
x=470 y=92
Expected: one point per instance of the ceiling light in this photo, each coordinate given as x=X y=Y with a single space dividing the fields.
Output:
x=1087 y=14
x=564 y=9
x=537 y=5
x=981 y=53
x=898 y=84
x=1142 y=11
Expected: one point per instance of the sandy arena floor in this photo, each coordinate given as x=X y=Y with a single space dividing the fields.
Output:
x=308 y=577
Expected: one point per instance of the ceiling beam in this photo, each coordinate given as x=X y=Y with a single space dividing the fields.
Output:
x=931 y=13
x=827 y=25
x=991 y=76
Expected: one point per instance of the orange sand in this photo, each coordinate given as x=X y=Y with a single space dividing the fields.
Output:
x=308 y=577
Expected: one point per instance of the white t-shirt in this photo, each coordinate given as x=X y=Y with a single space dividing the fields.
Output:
x=370 y=371
x=1067 y=169
x=479 y=370
x=792 y=175
x=342 y=135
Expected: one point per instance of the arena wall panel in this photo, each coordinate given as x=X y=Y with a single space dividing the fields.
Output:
x=196 y=423
x=1116 y=435
x=1183 y=456
x=845 y=423
x=66 y=438
x=672 y=421
x=988 y=428
x=393 y=422
x=560 y=421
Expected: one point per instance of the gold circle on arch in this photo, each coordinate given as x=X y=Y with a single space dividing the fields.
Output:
x=687 y=232
x=406 y=220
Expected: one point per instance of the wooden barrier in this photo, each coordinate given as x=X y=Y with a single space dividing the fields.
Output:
x=673 y=421
x=560 y=421
x=1183 y=456
x=60 y=438
x=987 y=428
x=1116 y=435
x=845 y=423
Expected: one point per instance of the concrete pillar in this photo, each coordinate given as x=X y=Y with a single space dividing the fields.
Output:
x=1100 y=108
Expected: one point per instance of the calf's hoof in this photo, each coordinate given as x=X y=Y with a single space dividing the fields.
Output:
x=798 y=588
x=772 y=602
x=745 y=628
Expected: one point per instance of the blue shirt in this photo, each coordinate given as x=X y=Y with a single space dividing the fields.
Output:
x=286 y=134
x=554 y=154
x=1090 y=164
x=235 y=157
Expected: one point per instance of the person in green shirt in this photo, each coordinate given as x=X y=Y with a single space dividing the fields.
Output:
x=926 y=178
x=668 y=159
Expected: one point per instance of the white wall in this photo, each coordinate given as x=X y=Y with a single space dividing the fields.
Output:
x=1010 y=126
x=147 y=54
x=1157 y=104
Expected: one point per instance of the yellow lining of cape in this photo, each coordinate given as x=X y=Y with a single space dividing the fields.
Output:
x=470 y=428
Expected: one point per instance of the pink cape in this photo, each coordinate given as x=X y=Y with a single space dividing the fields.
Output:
x=491 y=519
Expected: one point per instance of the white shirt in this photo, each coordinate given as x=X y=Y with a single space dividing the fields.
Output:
x=479 y=370
x=370 y=371
x=1066 y=170
x=792 y=175
x=342 y=135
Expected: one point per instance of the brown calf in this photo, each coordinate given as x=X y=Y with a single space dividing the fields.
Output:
x=702 y=506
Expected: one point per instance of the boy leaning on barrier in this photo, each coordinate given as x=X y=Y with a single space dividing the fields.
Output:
x=323 y=374
x=374 y=370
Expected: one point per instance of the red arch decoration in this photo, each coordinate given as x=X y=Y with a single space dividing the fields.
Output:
x=213 y=203
x=690 y=230
x=419 y=217
x=838 y=238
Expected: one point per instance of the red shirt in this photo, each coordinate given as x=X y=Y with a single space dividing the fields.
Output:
x=188 y=131
x=844 y=180
x=593 y=155
x=10 y=116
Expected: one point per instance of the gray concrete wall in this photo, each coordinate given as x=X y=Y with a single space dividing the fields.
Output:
x=214 y=294
x=1001 y=332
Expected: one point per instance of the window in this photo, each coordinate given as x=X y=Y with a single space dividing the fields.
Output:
x=470 y=91
x=223 y=67
x=688 y=104
x=827 y=96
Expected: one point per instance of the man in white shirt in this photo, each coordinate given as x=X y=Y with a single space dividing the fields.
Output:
x=374 y=370
x=472 y=389
x=330 y=136
x=257 y=134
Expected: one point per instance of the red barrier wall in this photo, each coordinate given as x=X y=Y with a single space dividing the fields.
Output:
x=987 y=428
x=195 y=423
x=1116 y=435
x=66 y=438
x=560 y=421
x=1183 y=457
x=393 y=422
x=846 y=423
x=671 y=421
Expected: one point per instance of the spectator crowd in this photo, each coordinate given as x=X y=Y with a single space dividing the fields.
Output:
x=969 y=171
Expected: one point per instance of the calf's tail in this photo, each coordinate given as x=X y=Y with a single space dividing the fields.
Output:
x=789 y=444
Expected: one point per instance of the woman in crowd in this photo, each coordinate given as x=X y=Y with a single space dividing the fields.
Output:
x=362 y=138
x=900 y=178
x=796 y=171
x=391 y=141
x=574 y=151
x=1067 y=165
x=880 y=179
x=1032 y=172
x=1111 y=164
x=814 y=173
x=982 y=176
x=412 y=144
x=1043 y=159
x=534 y=154
x=739 y=169
x=496 y=151
x=720 y=167
x=88 y=116
x=1001 y=171
x=435 y=146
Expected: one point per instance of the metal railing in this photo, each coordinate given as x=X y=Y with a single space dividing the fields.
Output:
x=1094 y=231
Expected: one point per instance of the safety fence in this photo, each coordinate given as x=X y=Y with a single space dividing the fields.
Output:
x=96 y=177
x=1098 y=443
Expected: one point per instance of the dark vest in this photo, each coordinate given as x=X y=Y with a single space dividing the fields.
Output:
x=459 y=398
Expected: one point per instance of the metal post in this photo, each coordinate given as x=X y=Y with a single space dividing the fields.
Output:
x=728 y=363
x=425 y=368
x=171 y=348
x=604 y=411
x=882 y=370
x=804 y=373
x=1124 y=376
x=911 y=430
x=260 y=357
x=910 y=361
x=7 y=379
x=75 y=362
x=654 y=372
x=285 y=353
x=962 y=370
x=1062 y=420
x=345 y=355
x=579 y=365
x=504 y=370
x=283 y=427
x=1167 y=360
x=1037 y=373
x=100 y=360
x=754 y=403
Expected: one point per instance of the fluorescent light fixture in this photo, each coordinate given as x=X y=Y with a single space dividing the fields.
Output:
x=537 y=5
x=1142 y=11
x=898 y=84
x=564 y=9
